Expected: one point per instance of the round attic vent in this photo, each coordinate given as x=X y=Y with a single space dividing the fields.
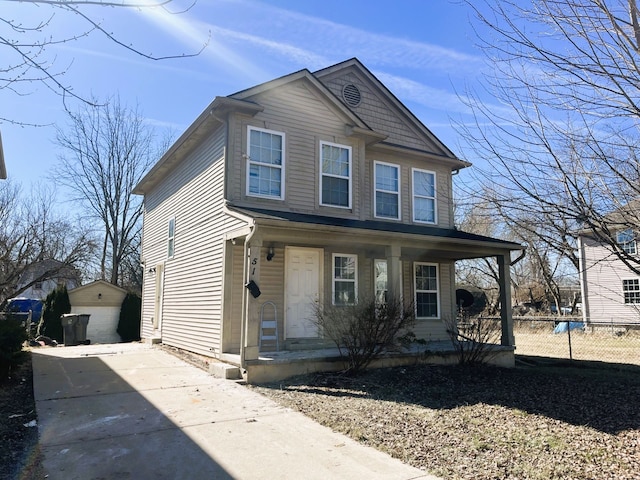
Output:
x=351 y=95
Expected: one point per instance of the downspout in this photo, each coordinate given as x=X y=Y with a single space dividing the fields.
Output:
x=245 y=280
x=520 y=257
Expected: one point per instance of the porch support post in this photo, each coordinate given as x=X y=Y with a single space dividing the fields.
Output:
x=504 y=263
x=394 y=272
x=252 y=305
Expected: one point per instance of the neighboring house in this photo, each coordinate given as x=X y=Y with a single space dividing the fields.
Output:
x=610 y=289
x=102 y=301
x=3 y=168
x=62 y=275
x=312 y=187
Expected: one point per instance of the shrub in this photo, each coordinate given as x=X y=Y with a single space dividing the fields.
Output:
x=55 y=305
x=130 y=315
x=474 y=341
x=363 y=331
x=12 y=335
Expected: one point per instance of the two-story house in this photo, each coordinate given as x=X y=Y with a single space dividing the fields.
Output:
x=311 y=187
x=610 y=287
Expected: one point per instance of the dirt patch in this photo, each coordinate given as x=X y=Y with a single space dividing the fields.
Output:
x=531 y=422
x=20 y=456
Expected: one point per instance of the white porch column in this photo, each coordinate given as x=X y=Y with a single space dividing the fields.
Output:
x=394 y=272
x=252 y=305
x=504 y=263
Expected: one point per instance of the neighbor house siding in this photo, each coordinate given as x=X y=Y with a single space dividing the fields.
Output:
x=193 y=195
x=605 y=274
x=306 y=120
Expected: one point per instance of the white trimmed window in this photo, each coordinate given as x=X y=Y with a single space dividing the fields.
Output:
x=335 y=175
x=631 y=290
x=627 y=241
x=265 y=163
x=424 y=196
x=345 y=279
x=427 y=296
x=381 y=280
x=387 y=190
x=171 y=237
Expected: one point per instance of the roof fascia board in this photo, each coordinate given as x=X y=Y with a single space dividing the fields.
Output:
x=214 y=114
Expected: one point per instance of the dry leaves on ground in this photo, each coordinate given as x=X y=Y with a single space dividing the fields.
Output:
x=457 y=422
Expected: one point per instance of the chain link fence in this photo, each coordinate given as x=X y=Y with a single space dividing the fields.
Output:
x=568 y=338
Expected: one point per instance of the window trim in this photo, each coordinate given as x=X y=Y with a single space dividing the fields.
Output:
x=268 y=165
x=627 y=245
x=437 y=291
x=375 y=286
x=630 y=294
x=171 y=237
x=375 y=190
x=334 y=279
x=349 y=178
x=435 y=196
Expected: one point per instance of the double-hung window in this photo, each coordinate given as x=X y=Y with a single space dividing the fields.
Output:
x=631 y=290
x=424 y=196
x=426 y=290
x=265 y=163
x=335 y=175
x=627 y=241
x=171 y=236
x=345 y=279
x=387 y=194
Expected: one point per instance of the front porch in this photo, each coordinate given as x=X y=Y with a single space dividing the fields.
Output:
x=274 y=366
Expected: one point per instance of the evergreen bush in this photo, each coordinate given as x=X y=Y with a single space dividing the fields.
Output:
x=55 y=305
x=12 y=335
x=130 y=315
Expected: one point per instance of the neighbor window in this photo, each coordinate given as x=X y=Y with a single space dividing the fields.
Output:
x=426 y=290
x=345 y=284
x=387 y=194
x=627 y=242
x=265 y=163
x=335 y=178
x=424 y=196
x=631 y=290
x=171 y=238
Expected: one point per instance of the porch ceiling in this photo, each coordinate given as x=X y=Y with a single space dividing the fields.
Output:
x=415 y=240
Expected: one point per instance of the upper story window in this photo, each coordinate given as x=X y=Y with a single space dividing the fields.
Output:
x=631 y=290
x=427 y=298
x=336 y=175
x=171 y=238
x=424 y=196
x=345 y=279
x=387 y=190
x=265 y=163
x=627 y=241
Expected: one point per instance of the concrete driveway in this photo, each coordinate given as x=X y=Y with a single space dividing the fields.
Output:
x=132 y=411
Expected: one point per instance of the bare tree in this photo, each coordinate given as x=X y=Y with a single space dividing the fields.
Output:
x=31 y=233
x=108 y=149
x=560 y=143
x=25 y=42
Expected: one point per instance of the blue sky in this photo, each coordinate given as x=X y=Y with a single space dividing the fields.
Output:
x=424 y=51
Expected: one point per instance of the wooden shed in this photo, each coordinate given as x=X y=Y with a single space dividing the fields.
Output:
x=102 y=301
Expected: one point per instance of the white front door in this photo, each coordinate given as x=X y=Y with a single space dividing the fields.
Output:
x=302 y=290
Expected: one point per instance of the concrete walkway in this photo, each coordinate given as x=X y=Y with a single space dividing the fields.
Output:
x=131 y=411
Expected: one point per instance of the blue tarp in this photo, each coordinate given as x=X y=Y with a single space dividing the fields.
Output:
x=563 y=327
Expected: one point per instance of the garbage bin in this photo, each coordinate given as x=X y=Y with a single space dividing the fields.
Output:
x=69 y=322
x=81 y=328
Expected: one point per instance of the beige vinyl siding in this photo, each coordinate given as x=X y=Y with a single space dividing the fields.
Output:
x=193 y=194
x=272 y=286
x=605 y=298
x=378 y=113
x=444 y=196
x=306 y=120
